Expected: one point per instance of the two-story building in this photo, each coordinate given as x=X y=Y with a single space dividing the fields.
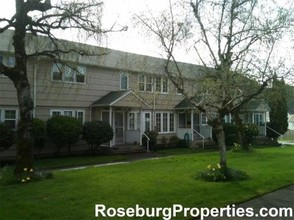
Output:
x=129 y=91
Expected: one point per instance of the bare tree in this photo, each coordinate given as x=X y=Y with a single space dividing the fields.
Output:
x=35 y=19
x=235 y=41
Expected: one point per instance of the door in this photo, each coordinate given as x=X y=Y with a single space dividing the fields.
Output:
x=119 y=128
x=146 y=125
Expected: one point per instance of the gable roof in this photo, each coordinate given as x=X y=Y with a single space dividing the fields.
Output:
x=256 y=105
x=184 y=104
x=123 y=98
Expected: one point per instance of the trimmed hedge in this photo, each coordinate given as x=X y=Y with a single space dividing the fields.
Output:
x=63 y=130
x=96 y=133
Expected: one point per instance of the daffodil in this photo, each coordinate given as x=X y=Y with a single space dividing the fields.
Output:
x=25 y=169
x=209 y=166
x=23 y=180
x=31 y=170
x=218 y=166
x=28 y=178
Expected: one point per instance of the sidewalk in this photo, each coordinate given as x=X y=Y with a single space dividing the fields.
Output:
x=280 y=198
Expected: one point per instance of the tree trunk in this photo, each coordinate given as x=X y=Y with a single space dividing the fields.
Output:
x=240 y=130
x=24 y=155
x=220 y=135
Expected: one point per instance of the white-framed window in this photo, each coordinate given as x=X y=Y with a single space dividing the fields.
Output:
x=79 y=114
x=165 y=122
x=145 y=83
x=64 y=73
x=161 y=84
x=134 y=121
x=203 y=119
x=124 y=81
x=7 y=60
x=228 y=118
x=9 y=117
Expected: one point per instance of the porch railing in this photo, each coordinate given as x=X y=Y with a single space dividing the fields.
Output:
x=148 y=140
x=203 y=138
x=273 y=130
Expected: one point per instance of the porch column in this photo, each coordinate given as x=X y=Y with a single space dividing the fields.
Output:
x=110 y=122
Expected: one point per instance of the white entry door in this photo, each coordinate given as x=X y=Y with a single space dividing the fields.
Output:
x=146 y=122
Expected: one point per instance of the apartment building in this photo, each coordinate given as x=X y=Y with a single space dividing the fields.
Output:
x=129 y=91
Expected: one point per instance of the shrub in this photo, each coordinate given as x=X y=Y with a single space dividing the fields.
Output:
x=174 y=141
x=96 y=133
x=6 y=137
x=63 y=131
x=153 y=139
x=220 y=174
x=38 y=132
x=251 y=131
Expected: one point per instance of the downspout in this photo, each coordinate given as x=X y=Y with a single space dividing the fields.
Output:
x=35 y=88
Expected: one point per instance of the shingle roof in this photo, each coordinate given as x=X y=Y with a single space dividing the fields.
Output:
x=256 y=105
x=123 y=98
x=185 y=104
x=111 y=98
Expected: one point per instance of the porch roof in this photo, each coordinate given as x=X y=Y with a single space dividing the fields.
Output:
x=184 y=104
x=256 y=106
x=123 y=98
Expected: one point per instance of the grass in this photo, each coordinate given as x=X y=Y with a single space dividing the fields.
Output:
x=149 y=183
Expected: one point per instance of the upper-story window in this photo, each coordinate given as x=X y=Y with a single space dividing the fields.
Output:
x=64 y=73
x=145 y=83
x=124 y=81
x=148 y=82
x=7 y=60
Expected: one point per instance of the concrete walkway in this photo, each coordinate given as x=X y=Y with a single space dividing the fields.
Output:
x=281 y=198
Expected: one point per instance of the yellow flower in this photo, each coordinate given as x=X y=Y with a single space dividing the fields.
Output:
x=25 y=169
x=209 y=166
x=31 y=170
x=28 y=178
x=218 y=166
x=23 y=180
x=213 y=169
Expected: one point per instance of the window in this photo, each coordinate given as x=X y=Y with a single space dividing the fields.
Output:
x=65 y=73
x=7 y=60
x=164 y=122
x=203 y=119
x=81 y=74
x=142 y=83
x=145 y=83
x=228 y=118
x=161 y=84
x=158 y=122
x=78 y=114
x=57 y=72
x=148 y=83
x=124 y=81
x=134 y=121
x=9 y=117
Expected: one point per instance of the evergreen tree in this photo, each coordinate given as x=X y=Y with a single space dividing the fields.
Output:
x=277 y=100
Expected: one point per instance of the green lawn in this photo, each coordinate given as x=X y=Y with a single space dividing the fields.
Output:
x=149 y=183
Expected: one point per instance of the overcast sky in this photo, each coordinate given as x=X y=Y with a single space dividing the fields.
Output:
x=121 y=13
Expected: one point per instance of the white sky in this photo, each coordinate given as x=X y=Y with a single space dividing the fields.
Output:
x=121 y=13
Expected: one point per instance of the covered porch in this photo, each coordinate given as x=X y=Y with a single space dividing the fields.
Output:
x=191 y=122
x=257 y=112
x=124 y=111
